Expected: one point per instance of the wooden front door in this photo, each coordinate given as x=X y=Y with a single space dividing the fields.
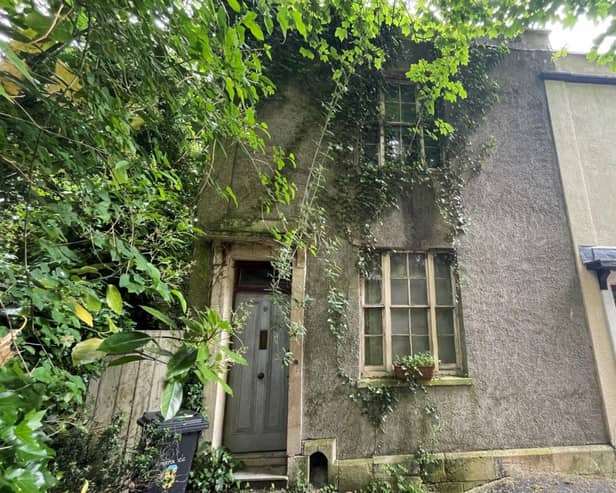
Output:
x=256 y=414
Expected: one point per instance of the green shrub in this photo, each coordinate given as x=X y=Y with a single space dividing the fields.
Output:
x=81 y=456
x=212 y=472
x=397 y=482
x=99 y=458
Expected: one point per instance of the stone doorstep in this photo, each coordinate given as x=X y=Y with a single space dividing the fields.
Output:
x=272 y=463
x=248 y=476
x=260 y=480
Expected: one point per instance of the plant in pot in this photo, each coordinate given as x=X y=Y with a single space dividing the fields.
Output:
x=419 y=366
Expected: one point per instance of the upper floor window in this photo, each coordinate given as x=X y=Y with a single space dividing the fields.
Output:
x=410 y=306
x=405 y=131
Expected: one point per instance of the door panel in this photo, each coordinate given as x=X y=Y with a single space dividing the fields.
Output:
x=256 y=414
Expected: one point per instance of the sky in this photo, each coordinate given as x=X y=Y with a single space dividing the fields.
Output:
x=577 y=39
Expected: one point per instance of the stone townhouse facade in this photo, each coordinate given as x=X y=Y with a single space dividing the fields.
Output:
x=524 y=329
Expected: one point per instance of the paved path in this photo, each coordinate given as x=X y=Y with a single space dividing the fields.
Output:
x=548 y=483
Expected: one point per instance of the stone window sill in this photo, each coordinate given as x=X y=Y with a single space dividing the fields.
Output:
x=442 y=381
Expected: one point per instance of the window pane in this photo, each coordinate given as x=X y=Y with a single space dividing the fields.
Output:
x=400 y=346
x=419 y=292
x=433 y=153
x=392 y=109
x=399 y=292
x=407 y=93
x=417 y=262
x=400 y=321
x=444 y=321
x=373 y=265
x=373 y=351
x=373 y=320
x=255 y=274
x=398 y=265
x=409 y=114
x=393 y=142
x=372 y=291
x=446 y=349
x=443 y=292
x=408 y=136
x=421 y=344
x=419 y=321
x=441 y=265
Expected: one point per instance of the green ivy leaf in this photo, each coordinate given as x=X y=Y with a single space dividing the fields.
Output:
x=171 y=400
x=114 y=299
x=229 y=193
x=299 y=23
x=124 y=342
x=282 y=16
x=249 y=22
x=159 y=316
x=234 y=4
x=181 y=362
x=87 y=351
x=122 y=360
x=92 y=302
x=233 y=356
x=181 y=299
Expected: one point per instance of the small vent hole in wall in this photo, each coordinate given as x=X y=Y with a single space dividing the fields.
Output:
x=318 y=470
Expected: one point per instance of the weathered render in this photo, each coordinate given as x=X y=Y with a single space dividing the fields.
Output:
x=529 y=382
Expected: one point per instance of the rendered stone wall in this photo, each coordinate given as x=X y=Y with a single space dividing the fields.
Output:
x=527 y=343
x=294 y=121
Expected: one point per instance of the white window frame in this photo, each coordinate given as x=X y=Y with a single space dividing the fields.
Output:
x=387 y=367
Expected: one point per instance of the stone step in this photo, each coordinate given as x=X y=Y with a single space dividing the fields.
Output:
x=274 y=463
x=261 y=480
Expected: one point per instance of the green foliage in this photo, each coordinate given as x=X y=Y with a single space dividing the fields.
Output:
x=301 y=485
x=418 y=359
x=112 y=115
x=212 y=471
x=95 y=458
x=425 y=460
x=143 y=466
x=98 y=458
x=107 y=112
x=375 y=402
x=411 y=363
x=397 y=481
x=26 y=400
x=193 y=395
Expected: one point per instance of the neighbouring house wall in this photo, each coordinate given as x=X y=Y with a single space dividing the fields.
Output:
x=582 y=117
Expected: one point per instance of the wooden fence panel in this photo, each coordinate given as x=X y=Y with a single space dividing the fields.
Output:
x=128 y=391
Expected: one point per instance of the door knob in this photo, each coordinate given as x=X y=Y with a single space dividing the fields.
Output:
x=261 y=375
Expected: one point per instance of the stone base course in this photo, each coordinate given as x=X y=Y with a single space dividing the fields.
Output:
x=461 y=471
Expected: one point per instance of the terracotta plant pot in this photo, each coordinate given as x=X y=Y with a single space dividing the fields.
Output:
x=425 y=372
x=399 y=372
x=422 y=373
